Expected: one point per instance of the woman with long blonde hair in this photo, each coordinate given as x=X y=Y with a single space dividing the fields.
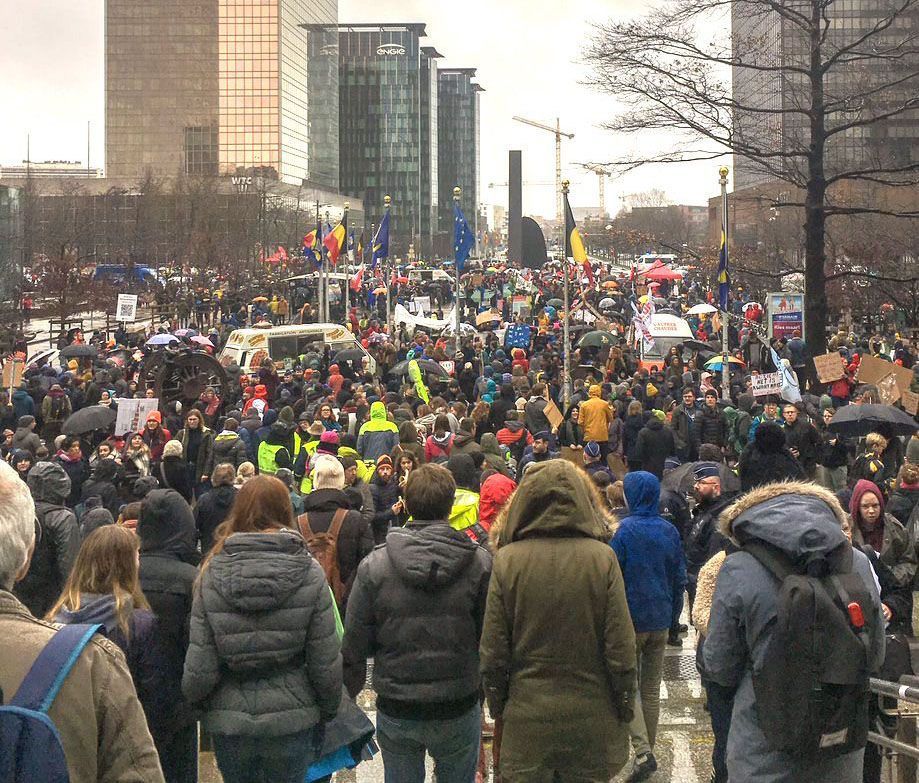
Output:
x=104 y=588
x=264 y=662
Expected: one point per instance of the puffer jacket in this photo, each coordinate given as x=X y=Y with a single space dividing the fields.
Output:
x=212 y=509
x=417 y=608
x=229 y=447
x=799 y=519
x=56 y=551
x=378 y=436
x=712 y=427
x=263 y=658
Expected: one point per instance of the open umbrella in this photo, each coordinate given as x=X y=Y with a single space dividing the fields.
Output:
x=91 y=419
x=185 y=333
x=661 y=272
x=596 y=339
x=162 y=339
x=856 y=420
x=609 y=284
x=377 y=337
x=555 y=302
x=606 y=303
x=466 y=330
x=78 y=351
x=701 y=309
x=349 y=355
x=680 y=479
x=425 y=365
x=716 y=362
x=202 y=341
x=260 y=299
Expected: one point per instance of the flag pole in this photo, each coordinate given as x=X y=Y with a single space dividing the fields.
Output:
x=390 y=289
x=320 y=309
x=344 y=219
x=457 y=192
x=326 y=316
x=725 y=364
x=566 y=358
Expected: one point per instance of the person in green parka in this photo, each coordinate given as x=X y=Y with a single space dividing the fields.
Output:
x=558 y=647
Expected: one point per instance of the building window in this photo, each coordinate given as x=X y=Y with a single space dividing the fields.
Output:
x=201 y=151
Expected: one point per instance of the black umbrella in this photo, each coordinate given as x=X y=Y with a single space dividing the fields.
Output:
x=78 y=351
x=91 y=419
x=596 y=339
x=852 y=421
x=349 y=355
x=425 y=365
x=680 y=479
x=698 y=345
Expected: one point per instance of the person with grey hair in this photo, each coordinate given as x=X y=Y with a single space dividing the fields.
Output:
x=328 y=510
x=100 y=721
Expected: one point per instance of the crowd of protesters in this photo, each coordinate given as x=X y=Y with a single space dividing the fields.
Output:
x=478 y=534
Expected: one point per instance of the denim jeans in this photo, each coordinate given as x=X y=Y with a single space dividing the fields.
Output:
x=283 y=759
x=453 y=744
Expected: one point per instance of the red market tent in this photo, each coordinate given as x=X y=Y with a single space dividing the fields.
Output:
x=660 y=272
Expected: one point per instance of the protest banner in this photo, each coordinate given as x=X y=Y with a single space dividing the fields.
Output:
x=768 y=383
x=888 y=391
x=910 y=402
x=829 y=367
x=554 y=415
x=132 y=414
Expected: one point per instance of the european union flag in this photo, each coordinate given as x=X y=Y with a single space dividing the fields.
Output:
x=380 y=242
x=463 y=238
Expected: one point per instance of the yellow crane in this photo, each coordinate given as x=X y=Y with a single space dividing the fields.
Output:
x=602 y=174
x=557 y=130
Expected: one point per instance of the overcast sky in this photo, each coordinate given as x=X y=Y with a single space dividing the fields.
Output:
x=526 y=51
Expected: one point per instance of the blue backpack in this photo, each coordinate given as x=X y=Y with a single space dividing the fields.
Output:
x=30 y=746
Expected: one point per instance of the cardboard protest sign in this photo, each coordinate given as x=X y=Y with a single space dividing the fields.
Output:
x=888 y=390
x=910 y=402
x=554 y=415
x=871 y=370
x=829 y=367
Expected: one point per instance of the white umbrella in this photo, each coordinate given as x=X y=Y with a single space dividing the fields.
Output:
x=701 y=309
x=606 y=302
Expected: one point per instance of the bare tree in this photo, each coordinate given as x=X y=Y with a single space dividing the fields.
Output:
x=803 y=92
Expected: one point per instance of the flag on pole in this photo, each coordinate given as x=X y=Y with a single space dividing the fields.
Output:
x=311 y=246
x=463 y=239
x=724 y=277
x=360 y=247
x=574 y=246
x=357 y=279
x=380 y=242
x=336 y=238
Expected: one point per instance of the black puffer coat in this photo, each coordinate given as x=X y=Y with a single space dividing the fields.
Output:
x=212 y=509
x=767 y=460
x=56 y=551
x=713 y=427
x=417 y=607
x=264 y=658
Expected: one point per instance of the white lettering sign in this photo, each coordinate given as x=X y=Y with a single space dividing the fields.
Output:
x=768 y=383
x=391 y=50
x=126 y=309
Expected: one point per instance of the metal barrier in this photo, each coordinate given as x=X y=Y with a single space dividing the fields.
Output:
x=905 y=752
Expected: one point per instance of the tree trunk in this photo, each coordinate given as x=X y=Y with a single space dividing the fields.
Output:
x=815 y=303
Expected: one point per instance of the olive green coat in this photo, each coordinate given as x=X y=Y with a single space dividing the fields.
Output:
x=558 y=646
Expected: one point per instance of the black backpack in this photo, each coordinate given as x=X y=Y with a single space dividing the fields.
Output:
x=812 y=690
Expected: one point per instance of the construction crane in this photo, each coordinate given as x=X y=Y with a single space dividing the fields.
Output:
x=557 y=130
x=602 y=174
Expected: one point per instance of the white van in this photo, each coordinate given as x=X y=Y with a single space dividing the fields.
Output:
x=667 y=331
x=283 y=344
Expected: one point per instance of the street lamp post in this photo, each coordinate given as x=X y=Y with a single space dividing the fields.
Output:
x=725 y=364
x=390 y=288
x=457 y=192
x=566 y=342
x=326 y=317
x=344 y=220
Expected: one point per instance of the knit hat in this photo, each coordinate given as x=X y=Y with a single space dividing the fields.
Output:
x=26 y=421
x=155 y=416
x=384 y=459
x=303 y=417
x=592 y=449
x=826 y=402
x=328 y=443
x=706 y=470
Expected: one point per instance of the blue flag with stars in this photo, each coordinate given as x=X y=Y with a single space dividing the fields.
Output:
x=463 y=238
x=724 y=276
x=380 y=242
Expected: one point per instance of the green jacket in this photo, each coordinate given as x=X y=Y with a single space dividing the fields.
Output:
x=556 y=579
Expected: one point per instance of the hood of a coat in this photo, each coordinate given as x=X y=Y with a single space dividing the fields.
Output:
x=654 y=423
x=408 y=432
x=93 y=609
x=861 y=488
x=642 y=493
x=490 y=445
x=277 y=434
x=326 y=500
x=49 y=482
x=555 y=499
x=430 y=555
x=227 y=437
x=462 y=467
x=378 y=421
x=796 y=517
x=166 y=525
x=258 y=572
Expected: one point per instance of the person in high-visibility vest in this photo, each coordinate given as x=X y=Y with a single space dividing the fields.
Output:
x=272 y=452
x=327 y=444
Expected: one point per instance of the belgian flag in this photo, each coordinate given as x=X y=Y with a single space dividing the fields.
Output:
x=574 y=246
x=335 y=240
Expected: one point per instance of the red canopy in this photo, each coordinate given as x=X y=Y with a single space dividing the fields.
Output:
x=661 y=272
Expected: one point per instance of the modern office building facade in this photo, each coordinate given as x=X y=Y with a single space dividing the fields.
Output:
x=387 y=128
x=228 y=87
x=458 y=139
x=778 y=97
x=10 y=244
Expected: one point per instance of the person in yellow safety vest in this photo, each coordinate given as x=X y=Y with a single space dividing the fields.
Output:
x=327 y=444
x=365 y=468
x=306 y=433
x=272 y=452
x=465 y=511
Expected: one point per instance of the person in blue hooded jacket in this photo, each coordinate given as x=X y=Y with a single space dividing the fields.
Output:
x=654 y=570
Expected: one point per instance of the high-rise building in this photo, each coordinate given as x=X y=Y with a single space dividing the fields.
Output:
x=388 y=126
x=206 y=87
x=458 y=139
x=772 y=45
